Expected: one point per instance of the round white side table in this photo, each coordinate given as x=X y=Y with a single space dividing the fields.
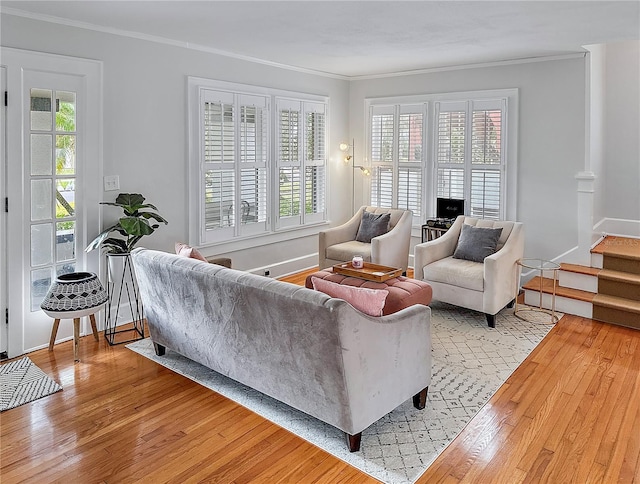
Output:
x=541 y=266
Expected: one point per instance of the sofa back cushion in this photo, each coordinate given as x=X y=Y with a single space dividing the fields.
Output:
x=395 y=214
x=476 y=243
x=505 y=225
x=372 y=225
x=188 y=251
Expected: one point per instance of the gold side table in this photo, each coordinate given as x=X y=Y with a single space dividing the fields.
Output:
x=541 y=266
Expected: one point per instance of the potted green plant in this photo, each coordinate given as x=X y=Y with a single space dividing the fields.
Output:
x=132 y=227
x=139 y=219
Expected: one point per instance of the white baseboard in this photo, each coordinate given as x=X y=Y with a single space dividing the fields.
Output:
x=286 y=267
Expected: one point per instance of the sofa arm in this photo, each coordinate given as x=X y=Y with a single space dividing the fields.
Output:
x=341 y=233
x=392 y=248
x=434 y=250
x=500 y=271
x=387 y=360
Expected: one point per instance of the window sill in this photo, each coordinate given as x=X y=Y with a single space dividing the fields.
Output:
x=259 y=240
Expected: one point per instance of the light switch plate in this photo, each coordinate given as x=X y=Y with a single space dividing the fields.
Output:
x=111 y=183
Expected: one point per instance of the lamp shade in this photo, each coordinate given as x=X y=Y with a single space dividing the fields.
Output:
x=74 y=295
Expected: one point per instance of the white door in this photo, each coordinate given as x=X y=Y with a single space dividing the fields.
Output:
x=53 y=179
x=3 y=217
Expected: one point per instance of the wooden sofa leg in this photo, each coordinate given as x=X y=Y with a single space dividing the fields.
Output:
x=420 y=399
x=353 y=441
x=159 y=349
x=491 y=320
x=511 y=303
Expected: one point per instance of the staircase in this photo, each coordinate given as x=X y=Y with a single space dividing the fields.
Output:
x=607 y=291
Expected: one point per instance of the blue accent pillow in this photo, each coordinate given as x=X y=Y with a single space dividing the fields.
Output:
x=372 y=225
x=476 y=243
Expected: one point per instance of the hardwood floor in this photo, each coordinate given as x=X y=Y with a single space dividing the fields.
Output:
x=569 y=413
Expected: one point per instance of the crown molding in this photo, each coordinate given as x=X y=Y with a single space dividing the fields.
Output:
x=165 y=41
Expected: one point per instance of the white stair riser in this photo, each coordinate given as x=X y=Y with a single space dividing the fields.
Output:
x=597 y=260
x=563 y=304
x=574 y=280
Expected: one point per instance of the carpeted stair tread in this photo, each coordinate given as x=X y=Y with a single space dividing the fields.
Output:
x=616 y=302
x=624 y=247
x=547 y=288
x=624 y=277
x=579 y=269
x=616 y=310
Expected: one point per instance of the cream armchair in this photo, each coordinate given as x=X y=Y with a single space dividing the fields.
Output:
x=339 y=244
x=486 y=287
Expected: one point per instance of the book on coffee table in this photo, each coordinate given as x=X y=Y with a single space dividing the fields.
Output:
x=369 y=271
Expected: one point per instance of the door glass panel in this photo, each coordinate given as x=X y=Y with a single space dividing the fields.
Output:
x=41 y=199
x=53 y=244
x=53 y=189
x=41 y=235
x=65 y=268
x=65 y=154
x=65 y=197
x=65 y=241
x=41 y=119
x=41 y=150
x=40 y=282
x=66 y=111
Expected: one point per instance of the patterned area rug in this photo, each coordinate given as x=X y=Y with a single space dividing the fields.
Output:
x=21 y=381
x=470 y=362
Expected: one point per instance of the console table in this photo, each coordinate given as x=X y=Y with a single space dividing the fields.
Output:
x=430 y=233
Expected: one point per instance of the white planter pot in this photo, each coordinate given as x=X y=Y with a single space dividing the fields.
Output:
x=117 y=264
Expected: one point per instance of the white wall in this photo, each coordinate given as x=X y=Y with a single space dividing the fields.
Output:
x=145 y=128
x=550 y=142
x=145 y=119
x=622 y=131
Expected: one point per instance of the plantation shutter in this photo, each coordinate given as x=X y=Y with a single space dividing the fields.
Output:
x=235 y=163
x=450 y=150
x=470 y=155
x=410 y=158
x=382 y=187
x=289 y=161
x=219 y=159
x=487 y=162
x=315 y=162
x=252 y=205
x=382 y=119
x=397 y=155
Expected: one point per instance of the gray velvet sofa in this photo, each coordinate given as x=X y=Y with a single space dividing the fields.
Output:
x=302 y=347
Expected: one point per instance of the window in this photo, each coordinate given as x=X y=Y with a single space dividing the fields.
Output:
x=247 y=177
x=466 y=160
x=397 y=156
x=235 y=163
x=301 y=162
x=469 y=156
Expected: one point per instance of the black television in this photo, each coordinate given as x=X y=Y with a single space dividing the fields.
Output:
x=449 y=207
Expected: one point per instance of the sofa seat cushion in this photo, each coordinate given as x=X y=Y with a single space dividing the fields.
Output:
x=456 y=272
x=346 y=250
x=403 y=291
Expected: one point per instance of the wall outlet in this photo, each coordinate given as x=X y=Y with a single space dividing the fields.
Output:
x=266 y=273
x=111 y=183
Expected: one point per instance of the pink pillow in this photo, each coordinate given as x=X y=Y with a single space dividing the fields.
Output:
x=369 y=301
x=188 y=251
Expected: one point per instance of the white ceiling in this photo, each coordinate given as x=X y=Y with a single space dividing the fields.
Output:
x=359 y=38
